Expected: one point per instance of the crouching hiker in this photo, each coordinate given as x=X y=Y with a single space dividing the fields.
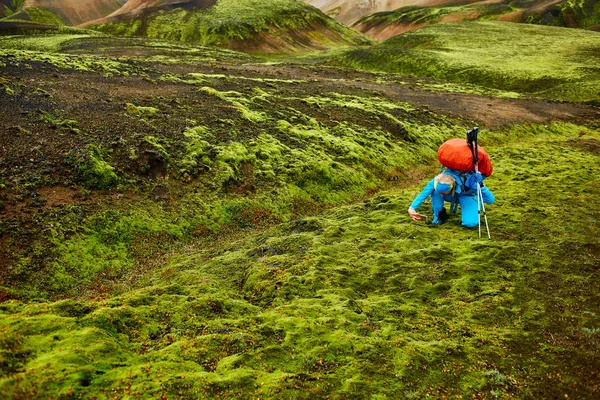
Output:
x=456 y=188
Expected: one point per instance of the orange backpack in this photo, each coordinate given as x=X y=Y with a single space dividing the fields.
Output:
x=456 y=154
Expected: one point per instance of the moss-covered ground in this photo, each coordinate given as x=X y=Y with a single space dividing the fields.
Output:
x=189 y=222
x=356 y=302
x=549 y=62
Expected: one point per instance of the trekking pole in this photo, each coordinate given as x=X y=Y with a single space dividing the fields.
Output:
x=472 y=138
x=479 y=204
x=480 y=195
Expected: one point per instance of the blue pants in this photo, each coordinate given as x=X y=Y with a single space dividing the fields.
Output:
x=468 y=208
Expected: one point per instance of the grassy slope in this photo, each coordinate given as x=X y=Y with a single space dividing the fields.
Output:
x=285 y=25
x=574 y=14
x=355 y=302
x=542 y=61
x=36 y=15
x=253 y=149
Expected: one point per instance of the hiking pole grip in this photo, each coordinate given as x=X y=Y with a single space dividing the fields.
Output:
x=472 y=138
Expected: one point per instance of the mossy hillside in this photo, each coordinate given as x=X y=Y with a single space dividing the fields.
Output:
x=524 y=58
x=572 y=14
x=274 y=152
x=568 y=13
x=357 y=302
x=37 y=15
x=430 y=15
x=68 y=49
x=62 y=46
x=10 y=7
x=337 y=165
x=81 y=63
x=284 y=24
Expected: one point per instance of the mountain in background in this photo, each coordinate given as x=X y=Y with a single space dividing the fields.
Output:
x=350 y=11
x=564 y=13
x=59 y=12
x=288 y=26
x=252 y=26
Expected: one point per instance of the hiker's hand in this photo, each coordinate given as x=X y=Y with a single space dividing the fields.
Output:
x=414 y=214
x=473 y=180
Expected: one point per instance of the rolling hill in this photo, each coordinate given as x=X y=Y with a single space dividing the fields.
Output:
x=523 y=59
x=67 y=12
x=253 y=26
x=383 y=25
x=350 y=11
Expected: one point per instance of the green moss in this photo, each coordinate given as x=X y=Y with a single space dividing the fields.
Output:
x=95 y=171
x=66 y=124
x=195 y=158
x=230 y=21
x=520 y=62
x=428 y=15
x=140 y=111
x=158 y=146
x=239 y=102
x=38 y=15
x=358 y=301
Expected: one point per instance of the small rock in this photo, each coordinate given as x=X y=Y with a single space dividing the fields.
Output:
x=161 y=193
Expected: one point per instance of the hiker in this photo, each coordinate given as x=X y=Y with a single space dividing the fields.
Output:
x=456 y=188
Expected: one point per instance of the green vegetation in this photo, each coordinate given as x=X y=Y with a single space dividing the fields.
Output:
x=430 y=15
x=96 y=172
x=191 y=222
x=13 y=7
x=565 y=13
x=231 y=22
x=358 y=301
x=570 y=13
x=543 y=61
x=37 y=15
x=66 y=124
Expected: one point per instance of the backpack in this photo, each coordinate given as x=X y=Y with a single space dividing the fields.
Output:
x=456 y=155
x=460 y=178
x=461 y=185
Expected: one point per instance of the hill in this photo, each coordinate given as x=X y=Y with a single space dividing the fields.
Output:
x=60 y=12
x=350 y=11
x=253 y=26
x=179 y=221
x=524 y=57
x=383 y=25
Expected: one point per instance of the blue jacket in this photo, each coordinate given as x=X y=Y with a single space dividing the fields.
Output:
x=459 y=190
